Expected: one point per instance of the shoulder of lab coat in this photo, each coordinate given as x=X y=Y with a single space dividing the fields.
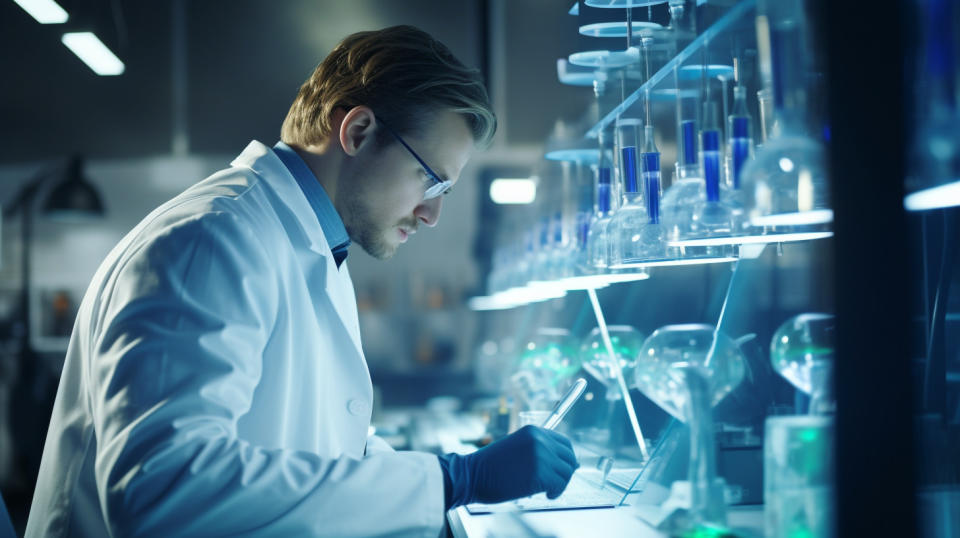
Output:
x=178 y=327
x=376 y=444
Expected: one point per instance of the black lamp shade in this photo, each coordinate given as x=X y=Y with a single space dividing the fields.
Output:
x=74 y=196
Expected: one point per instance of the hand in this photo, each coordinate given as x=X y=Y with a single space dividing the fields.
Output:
x=528 y=461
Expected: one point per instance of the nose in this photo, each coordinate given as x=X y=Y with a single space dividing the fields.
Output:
x=428 y=211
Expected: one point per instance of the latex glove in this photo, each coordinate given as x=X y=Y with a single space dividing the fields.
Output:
x=530 y=460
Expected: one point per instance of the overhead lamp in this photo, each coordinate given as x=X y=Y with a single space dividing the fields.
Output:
x=88 y=47
x=74 y=196
x=44 y=11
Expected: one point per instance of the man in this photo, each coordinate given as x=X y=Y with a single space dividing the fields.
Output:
x=215 y=384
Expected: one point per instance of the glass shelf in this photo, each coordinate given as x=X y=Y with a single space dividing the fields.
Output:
x=695 y=71
x=576 y=155
x=605 y=59
x=623 y=4
x=619 y=29
x=736 y=13
x=573 y=75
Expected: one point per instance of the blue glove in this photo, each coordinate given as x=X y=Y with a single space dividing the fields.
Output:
x=525 y=462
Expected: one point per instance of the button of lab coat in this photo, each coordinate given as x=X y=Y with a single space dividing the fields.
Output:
x=357 y=407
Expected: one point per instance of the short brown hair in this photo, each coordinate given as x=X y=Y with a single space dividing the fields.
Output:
x=401 y=72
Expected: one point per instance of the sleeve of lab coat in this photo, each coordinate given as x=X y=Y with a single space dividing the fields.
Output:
x=177 y=356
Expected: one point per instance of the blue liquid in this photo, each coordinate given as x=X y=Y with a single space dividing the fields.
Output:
x=630 y=170
x=583 y=228
x=651 y=174
x=711 y=164
x=740 y=148
x=688 y=129
x=741 y=127
x=603 y=191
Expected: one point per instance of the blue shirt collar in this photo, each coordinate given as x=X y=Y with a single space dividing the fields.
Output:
x=330 y=221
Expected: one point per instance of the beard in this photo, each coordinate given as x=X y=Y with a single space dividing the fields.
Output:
x=366 y=229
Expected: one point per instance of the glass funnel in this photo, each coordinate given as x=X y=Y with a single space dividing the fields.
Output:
x=686 y=370
x=546 y=367
x=802 y=352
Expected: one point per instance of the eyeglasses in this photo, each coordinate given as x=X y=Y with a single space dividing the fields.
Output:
x=439 y=186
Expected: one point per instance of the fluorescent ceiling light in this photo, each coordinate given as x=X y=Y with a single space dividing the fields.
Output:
x=44 y=11
x=814 y=216
x=938 y=197
x=513 y=190
x=93 y=52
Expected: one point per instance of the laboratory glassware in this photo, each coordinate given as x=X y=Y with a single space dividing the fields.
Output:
x=739 y=139
x=686 y=370
x=598 y=237
x=786 y=184
x=639 y=233
x=626 y=341
x=798 y=471
x=595 y=358
x=546 y=366
x=933 y=180
x=802 y=351
x=565 y=404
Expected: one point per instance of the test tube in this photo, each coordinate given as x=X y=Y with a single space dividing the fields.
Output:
x=650 y=161
x=710 y=142
x=738 y=128
x=688 y=98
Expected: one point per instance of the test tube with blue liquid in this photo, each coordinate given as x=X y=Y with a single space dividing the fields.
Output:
x=740 y=143
x=632 y=215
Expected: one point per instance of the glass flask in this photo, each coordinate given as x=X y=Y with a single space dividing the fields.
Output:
x=686 y=370
x=714 y=214
x=598 y=238
x=802 y=352
x=546 y=367
x=786 y=185
x=632 y=215
x=626 y=342
x=933 y=180
x=639 y=233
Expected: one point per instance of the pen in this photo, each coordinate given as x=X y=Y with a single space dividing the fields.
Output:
x=565 y=403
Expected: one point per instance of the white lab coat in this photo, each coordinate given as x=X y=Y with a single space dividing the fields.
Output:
x=215 y=385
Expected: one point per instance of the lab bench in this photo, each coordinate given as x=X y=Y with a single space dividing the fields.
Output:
x=746 y=521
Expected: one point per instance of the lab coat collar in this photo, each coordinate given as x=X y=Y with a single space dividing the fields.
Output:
x=264 y=162
x=338 y=286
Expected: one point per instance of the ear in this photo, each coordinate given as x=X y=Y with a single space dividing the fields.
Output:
x=357 y=129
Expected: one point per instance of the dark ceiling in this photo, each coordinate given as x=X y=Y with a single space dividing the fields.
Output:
x=245 y=61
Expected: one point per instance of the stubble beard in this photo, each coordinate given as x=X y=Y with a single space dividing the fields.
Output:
x=363 y=230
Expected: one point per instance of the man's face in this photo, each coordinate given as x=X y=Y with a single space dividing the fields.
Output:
x=381 y=202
